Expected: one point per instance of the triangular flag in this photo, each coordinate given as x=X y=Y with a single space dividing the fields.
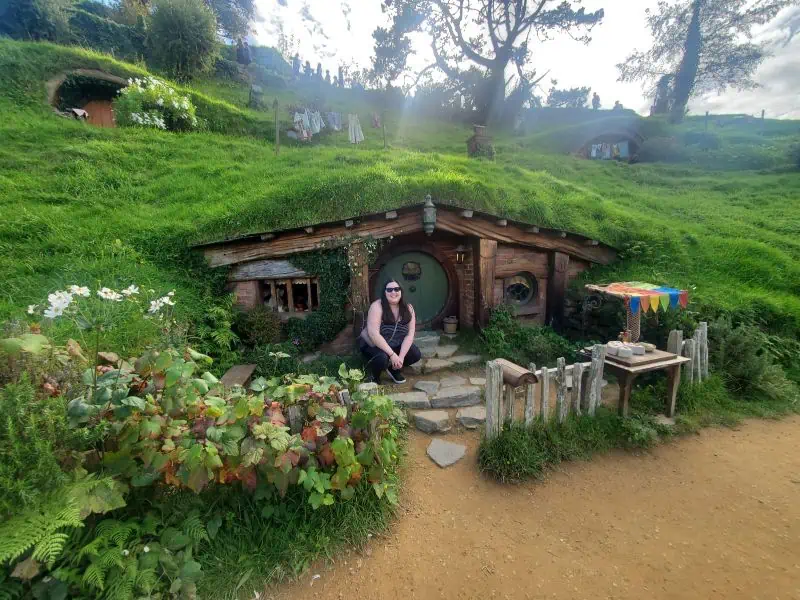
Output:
x=635 y=305
x=684 y=299
x=645 y=301
x=673 y=299
x=664 y=299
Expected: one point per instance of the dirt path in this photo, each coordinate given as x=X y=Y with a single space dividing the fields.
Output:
x=716 y=516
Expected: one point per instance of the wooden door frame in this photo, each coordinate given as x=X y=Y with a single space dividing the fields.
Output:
x=394 y=249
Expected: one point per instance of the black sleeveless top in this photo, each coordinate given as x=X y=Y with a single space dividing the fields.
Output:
x=394 y=333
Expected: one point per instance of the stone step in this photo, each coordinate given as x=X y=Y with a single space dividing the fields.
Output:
x=436 y=364
x=429 y=387
x=444 y=453
x=412 y=400
x=464 y=359
x=452 y=380
x=471 y=417
x=446 y=351
x=477 y=381
x=432 y=421
x=456 y=396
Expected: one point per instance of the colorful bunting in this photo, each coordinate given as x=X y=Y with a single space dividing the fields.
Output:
x=639 y=295
x=664 y=302
x=635 y=304
x=684 y=299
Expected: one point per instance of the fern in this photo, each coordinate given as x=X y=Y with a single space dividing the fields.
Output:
x=94 y=576
x=195 y=529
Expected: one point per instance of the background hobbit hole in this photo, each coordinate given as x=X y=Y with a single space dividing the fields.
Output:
x=87 y=89
x=450 y=261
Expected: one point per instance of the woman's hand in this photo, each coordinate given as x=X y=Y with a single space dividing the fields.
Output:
x=396 y=361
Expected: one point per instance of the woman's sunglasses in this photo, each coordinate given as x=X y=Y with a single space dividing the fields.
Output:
x=393 y=289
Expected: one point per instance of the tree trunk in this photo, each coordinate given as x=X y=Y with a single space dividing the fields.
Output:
x=493 y=94
x=687 y=71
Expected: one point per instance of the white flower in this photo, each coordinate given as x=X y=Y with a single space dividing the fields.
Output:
x=109 y=294
x=76 y=290
x=59 y=299
x=130 y=290
x=53 y=312
x=172 y=293
x=160 y=101
x=155 y=306
x=146 y=549
x=126 y=552
x=32 y=308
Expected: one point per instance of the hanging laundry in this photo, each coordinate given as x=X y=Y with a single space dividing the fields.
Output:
x=376 y=120
x=301 y=128
x=334 y=120
x=354 y=126
x=316 y=122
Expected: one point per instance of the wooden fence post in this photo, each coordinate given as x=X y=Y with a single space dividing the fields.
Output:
x=562 y=408
x=544 y=401
x=595 y=383
x=508 y=403
x=494 y=388
x=577 y=381
x=530 y=397
x=675 y=342
x=704 y=351
x=689 y=352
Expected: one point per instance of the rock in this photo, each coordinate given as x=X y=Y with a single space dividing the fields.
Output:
x=446 y=351
x=455 y=396
x=464 y=359
x=370 y=387
x=432 y=421
x=109 y=358
x=413 y=400
x=437 y=364
x=477 y=381
x=418 y=366
x=452 y=380
x=309 y=358
x=471 y=416
x=429 y=387
x=428 y=351
x=444 y=453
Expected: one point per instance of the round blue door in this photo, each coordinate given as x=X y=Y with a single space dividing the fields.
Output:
x=423 y=279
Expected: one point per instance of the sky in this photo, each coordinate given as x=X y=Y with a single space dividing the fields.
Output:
x=340 y=31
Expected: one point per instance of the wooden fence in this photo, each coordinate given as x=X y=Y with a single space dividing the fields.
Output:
x=586 y=378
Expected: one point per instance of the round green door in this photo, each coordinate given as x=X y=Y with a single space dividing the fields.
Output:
x=423 y=279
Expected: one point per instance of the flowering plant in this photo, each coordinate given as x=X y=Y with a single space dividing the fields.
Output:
x=149 y=102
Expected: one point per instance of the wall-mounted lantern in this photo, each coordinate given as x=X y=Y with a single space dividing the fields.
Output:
x=428 y=216
x=461 y=252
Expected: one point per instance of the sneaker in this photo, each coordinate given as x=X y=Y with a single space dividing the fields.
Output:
x=396 y=376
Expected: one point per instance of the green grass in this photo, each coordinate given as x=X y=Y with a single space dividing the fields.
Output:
x=71 y=191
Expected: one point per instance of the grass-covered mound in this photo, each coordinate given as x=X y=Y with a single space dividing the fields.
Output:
x=124 y=205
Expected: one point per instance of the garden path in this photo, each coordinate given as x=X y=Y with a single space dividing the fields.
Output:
x=712 y=516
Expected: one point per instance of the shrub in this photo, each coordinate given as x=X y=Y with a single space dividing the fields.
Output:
x=702 y=139
x=260 y=325
x=505 y=337
x=794 y=155
x=35 y=19
x=103 y=34
x=182 y=37
x=226 y=69
x=662 y=149
x=150 y=102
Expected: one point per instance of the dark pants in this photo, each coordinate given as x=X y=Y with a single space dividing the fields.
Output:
x=378 y=360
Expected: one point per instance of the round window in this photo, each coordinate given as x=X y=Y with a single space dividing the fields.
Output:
x=520 y=289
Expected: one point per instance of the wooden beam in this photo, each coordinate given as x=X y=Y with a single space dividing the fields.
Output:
x=293 y=242
x=515 y=375
x=290 y=295
x=264 y=269
x=486 y=252
x=556 y=289
x=482 y=228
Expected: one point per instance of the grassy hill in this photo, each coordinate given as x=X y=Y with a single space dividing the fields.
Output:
x=86 y=205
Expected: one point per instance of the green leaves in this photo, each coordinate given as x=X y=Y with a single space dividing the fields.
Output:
x=32 y=343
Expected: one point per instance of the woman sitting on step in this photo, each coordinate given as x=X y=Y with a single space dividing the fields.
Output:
x=388 y=339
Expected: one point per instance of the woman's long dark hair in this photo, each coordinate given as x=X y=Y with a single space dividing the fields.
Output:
x=388 y=316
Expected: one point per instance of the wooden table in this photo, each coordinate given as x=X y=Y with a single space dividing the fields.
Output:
x=627 y=370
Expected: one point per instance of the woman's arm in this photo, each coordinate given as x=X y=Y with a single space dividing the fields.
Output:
x=374 y=317
x=409 y=339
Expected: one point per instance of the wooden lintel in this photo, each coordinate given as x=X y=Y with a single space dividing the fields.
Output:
x=502 y=222
x=453 y=223
x=267 y=236
x=514 y=375
x=466 y=213
x=309 y=230
x=294 y=242
x=392 y=214
x=348 y=223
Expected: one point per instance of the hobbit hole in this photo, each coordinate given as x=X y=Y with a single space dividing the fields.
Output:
x=87 y=90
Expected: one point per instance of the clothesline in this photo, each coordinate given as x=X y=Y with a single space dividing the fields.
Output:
x=310 y=123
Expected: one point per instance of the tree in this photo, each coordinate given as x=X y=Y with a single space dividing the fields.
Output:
x=35 y=19
x=182 y=37
x=488 y=35
x=233 y=16
x=576 y=97
x=702 y=46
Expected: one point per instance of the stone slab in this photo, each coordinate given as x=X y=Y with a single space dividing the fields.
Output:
x=452 y=380
x=370 y=387
x=426 y=334
x=432 y=421
x=428 y=351
x=446 y=351
x=412 y=400
x=444 y=453
x=471 y=416
x=457 y=396
x=429 y=387
x=464 y=359
x=417 y=367
x=436 y=364
x=477 y=381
